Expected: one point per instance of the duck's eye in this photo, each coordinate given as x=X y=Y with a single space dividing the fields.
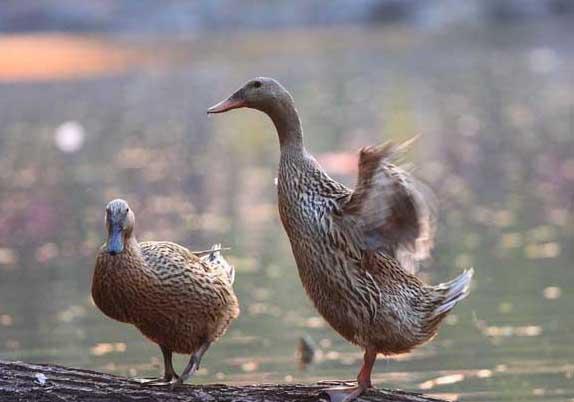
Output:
x=257 y=84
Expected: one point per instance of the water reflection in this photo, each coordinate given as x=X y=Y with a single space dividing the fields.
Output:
x=496 y=145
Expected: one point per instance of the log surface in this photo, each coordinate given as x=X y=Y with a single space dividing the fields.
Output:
x=23 y=382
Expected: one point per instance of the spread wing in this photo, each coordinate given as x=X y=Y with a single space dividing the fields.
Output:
x=391 y=209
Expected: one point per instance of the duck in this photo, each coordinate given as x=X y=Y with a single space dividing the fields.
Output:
x=179 y=299
x=355 y=249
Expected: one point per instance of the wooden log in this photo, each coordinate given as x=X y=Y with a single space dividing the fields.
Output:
x=24 y=382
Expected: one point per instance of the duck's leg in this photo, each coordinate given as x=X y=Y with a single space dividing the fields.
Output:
x=169 y=375
x=193 y=364
x=347 y=394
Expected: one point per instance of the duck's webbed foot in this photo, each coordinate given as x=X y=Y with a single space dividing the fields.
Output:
x=348 y=394
x=192 y=366
x=169 y=376
x=345 y=394
x=160 y=382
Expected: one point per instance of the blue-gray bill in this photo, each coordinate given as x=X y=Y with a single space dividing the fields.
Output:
x=115 y=243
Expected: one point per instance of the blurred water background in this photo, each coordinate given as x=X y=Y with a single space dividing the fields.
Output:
x=107 y=99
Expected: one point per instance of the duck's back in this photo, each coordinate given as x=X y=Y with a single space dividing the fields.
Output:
x=172 y=264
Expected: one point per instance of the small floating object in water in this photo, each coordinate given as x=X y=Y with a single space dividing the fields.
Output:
x=306 y=351
x=40 y=379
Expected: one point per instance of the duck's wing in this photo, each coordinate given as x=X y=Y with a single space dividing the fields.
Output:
x=167 y=254
x=178 y=273
x=392 y=211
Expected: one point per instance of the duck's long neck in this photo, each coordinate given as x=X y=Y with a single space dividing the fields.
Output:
x=286 y=120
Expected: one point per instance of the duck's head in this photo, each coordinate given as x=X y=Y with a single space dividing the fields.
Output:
x=120 y=222
x=260 y=93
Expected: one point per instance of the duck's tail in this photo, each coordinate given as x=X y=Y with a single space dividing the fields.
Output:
x=215 y=258
x=446 y=295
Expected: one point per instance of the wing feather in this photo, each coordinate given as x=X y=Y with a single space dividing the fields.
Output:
x=394 y=212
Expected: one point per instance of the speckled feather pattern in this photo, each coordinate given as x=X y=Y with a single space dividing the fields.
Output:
x=365 y=294
x=175 y=298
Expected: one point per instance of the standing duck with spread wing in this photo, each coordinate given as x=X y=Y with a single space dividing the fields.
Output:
x=354 y=249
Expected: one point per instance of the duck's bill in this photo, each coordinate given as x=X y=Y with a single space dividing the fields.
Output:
x=226 y=105
x=115 y=243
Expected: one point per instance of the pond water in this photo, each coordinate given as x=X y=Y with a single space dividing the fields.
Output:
x=494 y=110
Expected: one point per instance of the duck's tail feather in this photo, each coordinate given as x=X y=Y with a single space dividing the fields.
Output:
x=202 y=253
x=214 y=257
x=450 y=293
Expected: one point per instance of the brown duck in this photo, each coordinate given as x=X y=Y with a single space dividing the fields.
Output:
x=179 y=299
x=354 y=248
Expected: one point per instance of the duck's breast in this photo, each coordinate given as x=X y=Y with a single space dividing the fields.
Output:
x=109 y=290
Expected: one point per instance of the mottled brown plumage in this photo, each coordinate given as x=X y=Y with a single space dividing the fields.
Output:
x=181 y=300
x=354 y=249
